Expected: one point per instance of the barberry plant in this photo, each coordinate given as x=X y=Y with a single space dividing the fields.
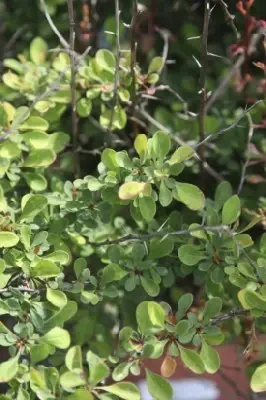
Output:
x=87 y=261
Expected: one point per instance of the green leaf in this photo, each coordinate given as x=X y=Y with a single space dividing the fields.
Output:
x=190 y=255
x=38 y=50
x=165 y=195
x=58 y=141
x=192 y=360
x=129 y=190
x=212 y=308
x=45 y=269
x=59 y=256
x=57 y=337
x=40 y=158
x=109 y=159
x=39 y=352
x=74 y=359
x=255 y=300
x=147 y=207
x=210 y=358
x=98 y=369
x=9 y=150
x=223 y=193
x=4 y=278
x=183 y=153
x=184 y=303
x=80 y=394
x=37 y=139
x=9 y=369
x=150 y=287
x=34 y=206
x=84 y=107
x=56 y=297
x=161 y=144
x=156 y=65
x=150 y=316
x=160 y=247
x=231 y=210
x=21 y=114
x=105 y=59
x=141 y=145
x=190 y=195
x=89 y=298
x=93 y=183
x=34 y=123
x=158 y=387
x=36 y=182
x=8 y=239
x=70 y=380
x=124 y=390
x=258 y=379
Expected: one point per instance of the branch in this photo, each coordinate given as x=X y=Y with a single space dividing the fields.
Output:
x=149 y=236
x=72 y=36
x=245 y=165
x=118 y=52
x=53 y=27
x=133 y=52
x=229 y=17
x=203 y=73
x=235 y=67
x=236 y=312
x=230 y=127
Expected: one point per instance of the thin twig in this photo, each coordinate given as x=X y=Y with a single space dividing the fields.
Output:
x=203 y=76
x=229 y=17
x=133 y=55
x=236 y=312
x=118 y=52
x=52 y=25
x=149 y=236
x=245 y=165
x=235 y=67
x=228 y=128
x=165 y=34
x=72 y=36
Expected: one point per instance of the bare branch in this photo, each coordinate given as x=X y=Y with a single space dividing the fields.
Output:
x=235 y=312
x=72 y=36
x=235 y=67
x=230 y=127
x=149 y=236
x=229 y=17
x=52 y=25
x=203 y=76
x=133 y=54
x=118 y=52
x=245 y=165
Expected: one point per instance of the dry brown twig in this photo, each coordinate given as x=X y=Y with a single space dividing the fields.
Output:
x=72 y=36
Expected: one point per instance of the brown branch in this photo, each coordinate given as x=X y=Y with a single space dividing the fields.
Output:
x=118 y=52
x=236 y=312
x=245 y=165
x=72 y=36
x=52 y=25
x=203 y=76
x=133 y=57
x=149 y=236
x=229 y=17
x=233 y=70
